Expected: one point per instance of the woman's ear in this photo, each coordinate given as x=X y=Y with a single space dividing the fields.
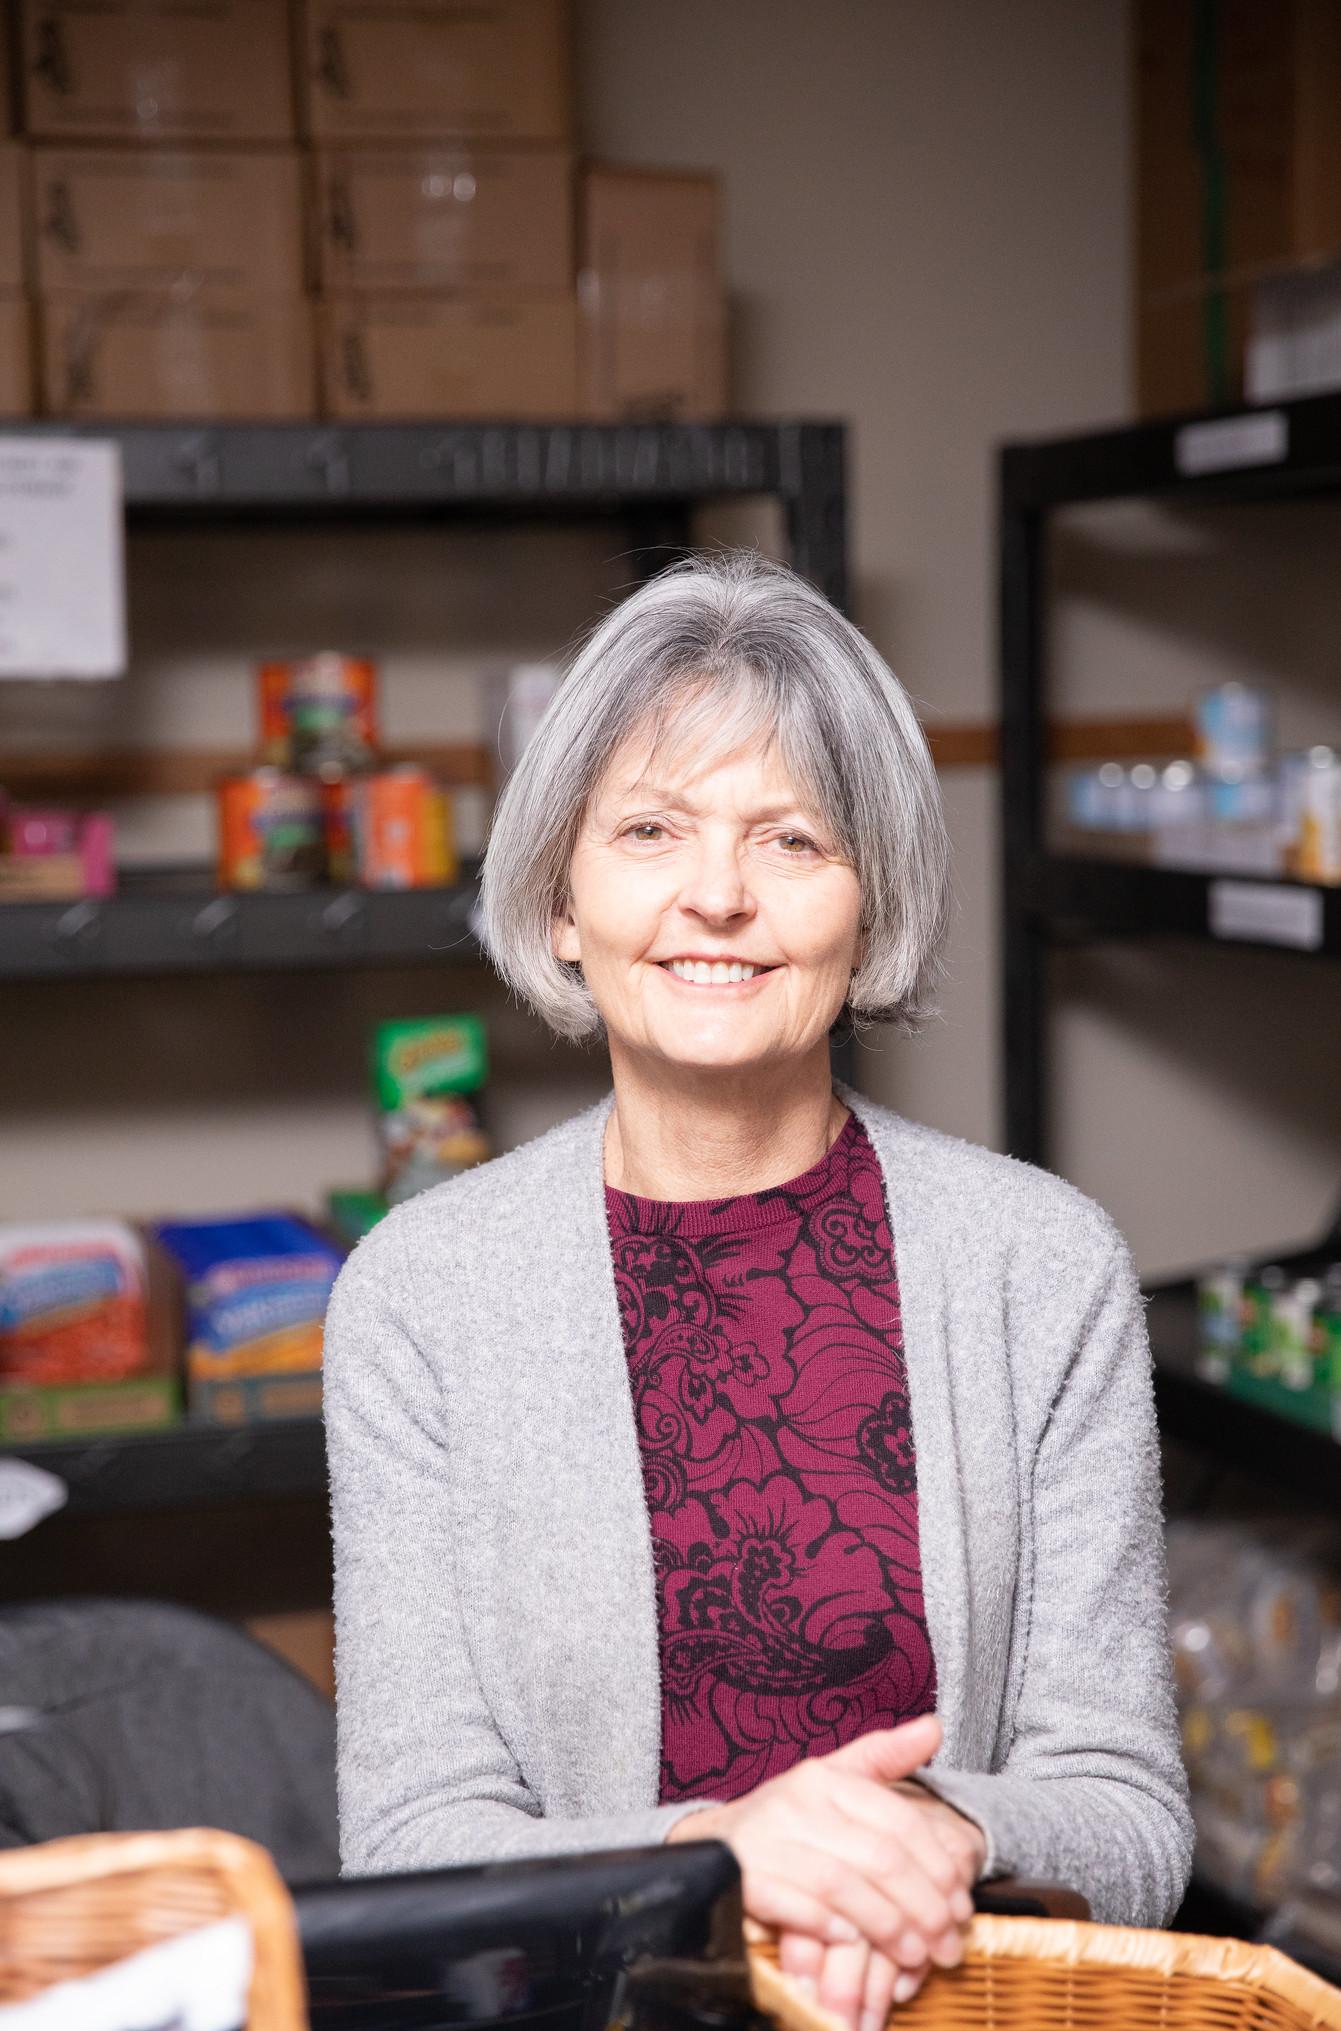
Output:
x=564 y=938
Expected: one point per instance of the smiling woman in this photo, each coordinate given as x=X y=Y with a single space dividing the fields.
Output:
x=739 y=1460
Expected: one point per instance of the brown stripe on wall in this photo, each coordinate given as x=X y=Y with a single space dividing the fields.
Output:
x=111 y=773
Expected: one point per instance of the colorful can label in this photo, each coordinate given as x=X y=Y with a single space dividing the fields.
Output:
x=318 y=711
x=402 y=830
x=272 y=831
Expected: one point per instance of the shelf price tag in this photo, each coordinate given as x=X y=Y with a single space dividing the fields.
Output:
x=1231 y=442
x=1267 y=913
x=62 y=572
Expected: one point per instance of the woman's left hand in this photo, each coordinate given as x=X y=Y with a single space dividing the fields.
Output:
x=856 y=1983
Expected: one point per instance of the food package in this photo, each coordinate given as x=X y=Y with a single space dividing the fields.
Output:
x=256 y=1292
x=73 y=1303
x=428 y=1073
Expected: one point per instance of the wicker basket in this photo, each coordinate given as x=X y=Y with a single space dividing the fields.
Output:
x=69 y=1908
x=1048 y=1974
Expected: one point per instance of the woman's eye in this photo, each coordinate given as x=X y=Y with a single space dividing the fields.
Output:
x=645 y=825
x=801 y=840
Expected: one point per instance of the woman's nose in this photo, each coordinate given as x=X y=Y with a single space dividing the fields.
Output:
x=715 y=886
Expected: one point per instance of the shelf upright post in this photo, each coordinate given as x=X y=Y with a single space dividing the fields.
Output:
x=812 y=475
x=812 y=480
x=1023 y=763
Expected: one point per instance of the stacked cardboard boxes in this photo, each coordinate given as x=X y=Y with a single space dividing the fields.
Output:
x=267 y=209
x=1238 y=179
x=443 y=179
x=166 y=209
x=653 y=311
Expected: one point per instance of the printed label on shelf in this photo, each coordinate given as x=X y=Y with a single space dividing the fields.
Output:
x=1236 y=441
x=27 y=1494
x=62 y=570
x=1267 y=912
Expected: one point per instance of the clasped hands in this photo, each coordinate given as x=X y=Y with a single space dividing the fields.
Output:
x=866 y=1877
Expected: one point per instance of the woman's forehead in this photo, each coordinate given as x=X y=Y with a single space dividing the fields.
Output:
x=676 y=768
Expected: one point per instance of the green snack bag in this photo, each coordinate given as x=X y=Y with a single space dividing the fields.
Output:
x=428 y=1072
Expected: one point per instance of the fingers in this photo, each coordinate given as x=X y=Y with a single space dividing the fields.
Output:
x=948 y=1862
x=801 y=1958
x=907 y=1982
x=842 y=1982
x=881 y=1977
x=895 y=1864
x=887 y=1754
x=841 y=1890
x=777 y=1901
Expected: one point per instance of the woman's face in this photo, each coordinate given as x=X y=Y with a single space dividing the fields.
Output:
x=724 y=864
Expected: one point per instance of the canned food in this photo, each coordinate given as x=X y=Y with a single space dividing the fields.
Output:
x=1233 y=730
x=271 y=831
x=402 y=830
x=319 y=711
x=337 y=804
x=1318 y=849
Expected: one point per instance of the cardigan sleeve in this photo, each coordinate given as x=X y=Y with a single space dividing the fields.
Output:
x=1090 y=1790
x=424 y=1778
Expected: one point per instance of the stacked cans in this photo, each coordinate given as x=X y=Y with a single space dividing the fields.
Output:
x=319 y=808
x=1238 y=793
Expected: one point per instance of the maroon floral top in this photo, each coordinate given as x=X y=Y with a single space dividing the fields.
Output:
x=765 y=1352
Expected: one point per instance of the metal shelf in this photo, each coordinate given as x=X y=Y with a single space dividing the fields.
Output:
x=186 y=1467
x=1261 y=453
x=159 y=924
x=1290 y=450
x=1074 y=898
x=313 y=472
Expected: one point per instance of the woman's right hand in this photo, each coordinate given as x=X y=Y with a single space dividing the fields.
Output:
x=832 y=1850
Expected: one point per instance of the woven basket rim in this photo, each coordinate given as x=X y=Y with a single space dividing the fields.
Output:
x=102 y=1866
x=85 y=1858
x=1120 y=1949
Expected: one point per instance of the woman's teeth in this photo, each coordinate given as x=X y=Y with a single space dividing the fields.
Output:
x=720 y=973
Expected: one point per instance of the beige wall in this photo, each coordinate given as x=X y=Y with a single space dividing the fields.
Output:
x=927 y=234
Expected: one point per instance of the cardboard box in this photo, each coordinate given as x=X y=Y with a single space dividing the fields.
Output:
x=649 y=284
x=445 y=218
x=450 y=356
x=1238 y=169
x=395 y=70
x=17 y=390
x=155 y=354
x=158 y=70
x=109 y=218
x=1190 y=353
x=13 y=212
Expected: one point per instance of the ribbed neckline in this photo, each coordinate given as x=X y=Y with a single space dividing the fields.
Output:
x=744 y=1211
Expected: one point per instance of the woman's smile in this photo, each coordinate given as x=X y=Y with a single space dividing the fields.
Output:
x=718 y=974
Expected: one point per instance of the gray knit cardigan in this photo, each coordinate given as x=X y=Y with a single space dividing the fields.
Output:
x=496 y=1620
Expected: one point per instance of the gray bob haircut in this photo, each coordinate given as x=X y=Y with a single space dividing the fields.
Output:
x=712 y=655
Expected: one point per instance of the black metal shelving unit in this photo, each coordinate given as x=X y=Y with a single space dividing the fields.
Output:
x=1049 y=899
x=645 y=478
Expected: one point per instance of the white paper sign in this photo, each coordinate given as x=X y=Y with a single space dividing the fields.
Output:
x=62 y=569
